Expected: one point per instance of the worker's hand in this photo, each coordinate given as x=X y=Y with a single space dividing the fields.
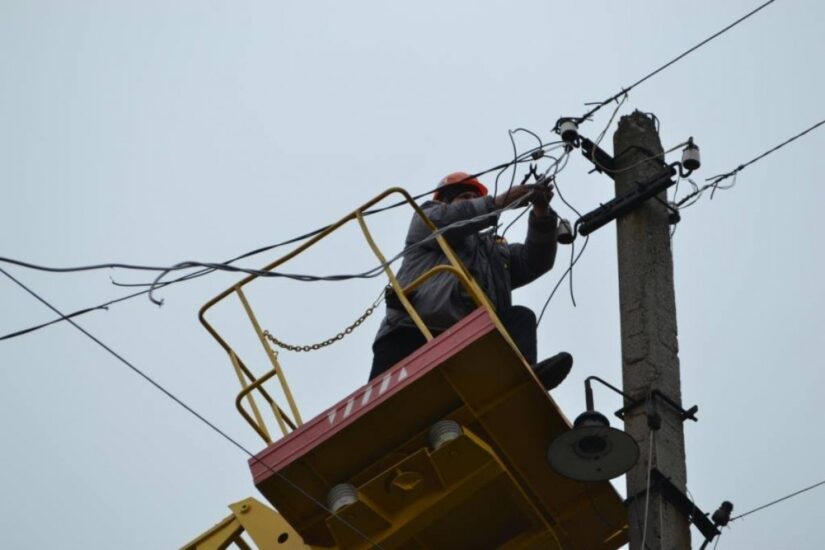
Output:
x=513 y=194
x=541 y=197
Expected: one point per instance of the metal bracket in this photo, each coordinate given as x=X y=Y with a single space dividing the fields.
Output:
x=602 y=161
x=656 y=394
x=680 y=501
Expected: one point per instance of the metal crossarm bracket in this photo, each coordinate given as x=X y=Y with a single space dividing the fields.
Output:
x=656 y=394
x=602 y=161
x=661 y=483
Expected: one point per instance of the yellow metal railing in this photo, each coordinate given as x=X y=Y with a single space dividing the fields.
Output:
x=250 y=384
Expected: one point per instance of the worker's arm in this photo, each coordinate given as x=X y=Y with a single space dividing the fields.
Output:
x=445 y=214
x=536 y=256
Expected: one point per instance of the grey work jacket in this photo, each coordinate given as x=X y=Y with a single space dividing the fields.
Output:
x=496 y=266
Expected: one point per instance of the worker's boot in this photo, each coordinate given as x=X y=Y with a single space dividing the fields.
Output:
x=553 y=370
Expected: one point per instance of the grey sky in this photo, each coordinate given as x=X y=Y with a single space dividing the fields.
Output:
x=155 y=132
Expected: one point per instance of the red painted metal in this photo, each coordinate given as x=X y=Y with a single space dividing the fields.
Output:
x=347 y=411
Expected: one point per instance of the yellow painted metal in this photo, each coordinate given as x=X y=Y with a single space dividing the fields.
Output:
x=218 y=537
x=272 y=359
x=495 y=484
x=453 y=265
x=393 y=280
x=245 y=393
x=260 y=425
x=465 y=478
x=263 y=525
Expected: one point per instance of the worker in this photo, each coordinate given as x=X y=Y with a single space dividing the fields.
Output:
x=462 y=205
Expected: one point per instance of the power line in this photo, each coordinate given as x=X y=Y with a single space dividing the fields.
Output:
x=627 y=89
x=206 y=271
x=647 y=489
x=374 y=272
x=766 y=153
x=211 y=267
x=715 y=180
x=369 y=274
x=777 y=501
x=189 y=409
x=573 y=257
x=561 y=279
x=557 y=166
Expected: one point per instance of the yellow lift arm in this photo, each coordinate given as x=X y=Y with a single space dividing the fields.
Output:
x=263 y=525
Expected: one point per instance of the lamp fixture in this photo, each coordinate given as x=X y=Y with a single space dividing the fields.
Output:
x=592 y=450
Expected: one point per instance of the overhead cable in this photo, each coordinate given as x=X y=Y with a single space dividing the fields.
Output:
x=205 y=271
x=369 y=274
x=777 y=501
x=647 y=488
x=627 y=89
x=216 y=266
x=190 y=410
x=162 y=284
x=561 y=280
x=715 y=180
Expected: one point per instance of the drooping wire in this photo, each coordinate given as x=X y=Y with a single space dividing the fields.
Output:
x=556 y=166
x=570 y=278
x=190 y=410
x=532 y=133
x=625 y=90
x=574 y=258
x=561 y=280
x=768 y=152
x=661 y=501
x=777 y=501
x=673 y=202
x=578 y=214
x=609 y=122
x=202 y=272
x=205 y=271
x=715 y=180
x=647 y=489
x=216 y=266
x=514 y=164
x=368 y=274
x=509 y=225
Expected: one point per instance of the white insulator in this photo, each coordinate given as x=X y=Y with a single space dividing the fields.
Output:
x=691 y=158
x=341 y=495
x=564 y=232
x=569 y=131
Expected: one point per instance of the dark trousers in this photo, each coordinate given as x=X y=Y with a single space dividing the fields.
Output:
x=391 y=348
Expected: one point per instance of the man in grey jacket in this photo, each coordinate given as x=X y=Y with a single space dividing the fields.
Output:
x=462 y=206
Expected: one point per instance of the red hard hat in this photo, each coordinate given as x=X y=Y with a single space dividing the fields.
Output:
x=460 y=178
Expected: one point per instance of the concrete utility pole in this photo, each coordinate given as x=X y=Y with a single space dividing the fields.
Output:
x=649 y=342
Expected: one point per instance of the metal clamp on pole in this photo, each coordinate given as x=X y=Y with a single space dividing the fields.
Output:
x=661 y=483
x=601 y=160
x=656 y=394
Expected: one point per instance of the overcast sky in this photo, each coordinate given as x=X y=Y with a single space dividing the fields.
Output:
x=157 y=132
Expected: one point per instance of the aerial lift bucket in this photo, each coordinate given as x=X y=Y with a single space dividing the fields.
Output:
x=415 y=483
x=447 y=449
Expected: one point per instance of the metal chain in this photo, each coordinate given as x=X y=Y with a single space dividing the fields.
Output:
x=328 y=341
